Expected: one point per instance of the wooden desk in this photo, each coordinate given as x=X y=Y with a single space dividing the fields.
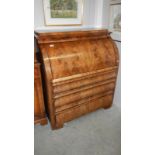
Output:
x=80 y=70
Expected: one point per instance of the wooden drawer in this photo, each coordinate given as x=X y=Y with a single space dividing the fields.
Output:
x=83 y=101
x=83 y=81
x=85 y=93
x=77 y=111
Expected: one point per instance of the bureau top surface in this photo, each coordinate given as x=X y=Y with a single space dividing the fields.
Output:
x=48 y=37
x=65 y=29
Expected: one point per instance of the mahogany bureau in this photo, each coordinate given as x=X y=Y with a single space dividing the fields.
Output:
x=39 y=109
x=80 y=70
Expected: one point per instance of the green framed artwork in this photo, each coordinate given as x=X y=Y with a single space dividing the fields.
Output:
x=63 y=12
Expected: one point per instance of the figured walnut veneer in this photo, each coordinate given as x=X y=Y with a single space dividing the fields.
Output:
x=80 y=70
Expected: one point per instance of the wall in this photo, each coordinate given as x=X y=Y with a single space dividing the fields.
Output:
x=117 y=37
x=117 y=96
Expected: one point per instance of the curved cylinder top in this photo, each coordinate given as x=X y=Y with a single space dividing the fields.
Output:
x=78 y=52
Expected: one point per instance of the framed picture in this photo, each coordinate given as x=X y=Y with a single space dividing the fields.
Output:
x=63 y=12
x=115 y=16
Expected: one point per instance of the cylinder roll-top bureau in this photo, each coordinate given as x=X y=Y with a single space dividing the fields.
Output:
x=79 y=70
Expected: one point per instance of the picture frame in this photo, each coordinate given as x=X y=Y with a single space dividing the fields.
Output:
x=115 y=16
x=63 y=12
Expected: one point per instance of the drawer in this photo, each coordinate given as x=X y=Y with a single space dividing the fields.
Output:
x=82 y=109
x=68 y=99
x=84 y=82
x=104 y=102
x=72 y=113
x=83 y=101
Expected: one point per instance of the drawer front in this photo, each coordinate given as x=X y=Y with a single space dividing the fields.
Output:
x=74 y=97
x=83 y=101
x=80 y=110
x=105 y=102
x=81 y=82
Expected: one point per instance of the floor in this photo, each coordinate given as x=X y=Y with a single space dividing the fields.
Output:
x=97 y=133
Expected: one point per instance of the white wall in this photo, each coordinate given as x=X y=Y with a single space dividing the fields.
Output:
x=38 y=13
x=117 y=96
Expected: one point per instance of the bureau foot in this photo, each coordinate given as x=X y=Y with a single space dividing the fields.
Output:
x=43 y=122
x=107 y=106
x=59 y=125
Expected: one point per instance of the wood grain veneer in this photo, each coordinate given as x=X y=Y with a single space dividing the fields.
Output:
x=80 y=71
x=39 y=109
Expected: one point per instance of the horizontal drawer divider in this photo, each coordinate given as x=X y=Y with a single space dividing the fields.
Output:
x=90 y=86
x=77 y=77
x=84 y=101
